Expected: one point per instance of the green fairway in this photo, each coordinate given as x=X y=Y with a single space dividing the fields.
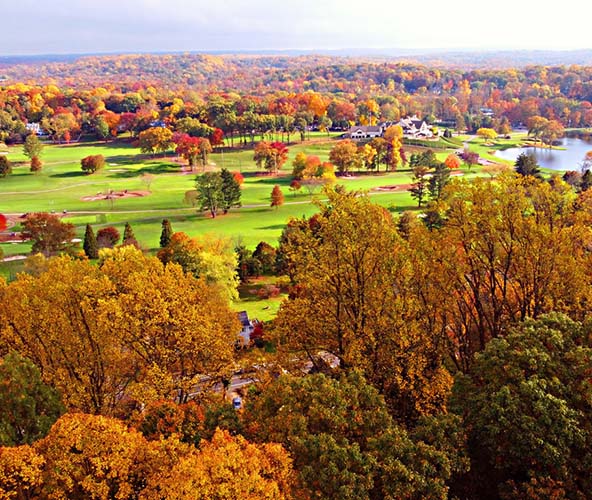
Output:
x=62 y=187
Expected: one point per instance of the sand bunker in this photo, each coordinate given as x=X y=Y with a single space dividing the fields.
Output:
x=116 y=195
x=392 y=187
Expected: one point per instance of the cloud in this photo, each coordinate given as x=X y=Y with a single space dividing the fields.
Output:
x=70 y=26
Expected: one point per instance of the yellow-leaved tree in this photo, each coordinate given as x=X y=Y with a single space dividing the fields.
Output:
x=130 y=329
x=57 y=319
x=20 y=473
x=92 y=456
x=352 y=298
x=210 y=258
x=176 y=325
x=508 y=250
x=225 y=468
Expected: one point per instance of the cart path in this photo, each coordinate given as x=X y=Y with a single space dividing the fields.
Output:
x=394 y=189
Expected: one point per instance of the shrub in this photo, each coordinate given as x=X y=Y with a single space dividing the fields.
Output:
x=5 y=166
x=268 y=291
x=36 y=164
x=90 y=164
x=107 y=237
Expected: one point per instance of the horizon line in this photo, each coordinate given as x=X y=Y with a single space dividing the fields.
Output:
x=272 y=51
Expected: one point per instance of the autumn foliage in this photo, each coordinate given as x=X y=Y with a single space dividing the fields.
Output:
x=48 y=233
x=270 y=156
x=438 y=356
x=96 y=321
x=87 y=456
x=90 y=164
x=277 y=197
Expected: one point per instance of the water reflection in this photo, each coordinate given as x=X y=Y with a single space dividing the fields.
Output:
x=568 y=159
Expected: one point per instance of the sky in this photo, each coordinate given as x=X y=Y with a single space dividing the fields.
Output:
x=123 y=26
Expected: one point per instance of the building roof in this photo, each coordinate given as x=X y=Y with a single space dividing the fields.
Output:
x=365 y=128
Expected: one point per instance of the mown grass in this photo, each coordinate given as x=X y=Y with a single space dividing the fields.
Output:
x=61 y=186
x=262 y=309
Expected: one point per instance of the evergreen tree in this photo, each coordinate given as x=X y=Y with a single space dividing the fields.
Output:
x=419 y=188
x=128 y=236
x=128 y=232
x=90 y=246
x=243 y=257
x=526 y=164
x=440 y=177
x=166 y=233
x=231 y=191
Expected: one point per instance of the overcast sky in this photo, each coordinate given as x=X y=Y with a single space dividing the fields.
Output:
x=89 y=26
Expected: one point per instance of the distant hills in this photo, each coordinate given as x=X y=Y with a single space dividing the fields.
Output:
x=432 y=57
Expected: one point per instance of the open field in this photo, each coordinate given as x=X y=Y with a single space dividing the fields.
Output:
x=61 y=187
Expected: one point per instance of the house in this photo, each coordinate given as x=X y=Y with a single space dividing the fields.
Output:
x=415 y=128
x=35 y=128
x=247 y=330
x=364 y=132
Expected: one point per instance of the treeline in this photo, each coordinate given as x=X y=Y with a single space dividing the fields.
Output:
x=289 y=96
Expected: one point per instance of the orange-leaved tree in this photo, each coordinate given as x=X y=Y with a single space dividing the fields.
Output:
x=277 y=197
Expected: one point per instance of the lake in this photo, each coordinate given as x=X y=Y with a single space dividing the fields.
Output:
x=568 y=159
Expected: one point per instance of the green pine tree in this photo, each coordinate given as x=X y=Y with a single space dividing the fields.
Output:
x=90 y=246
x=440 y=177
x=231 y=191
x=526 y=165
x=419 y=188
x=166 y=233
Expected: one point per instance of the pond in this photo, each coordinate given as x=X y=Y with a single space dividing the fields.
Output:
x=555 y=159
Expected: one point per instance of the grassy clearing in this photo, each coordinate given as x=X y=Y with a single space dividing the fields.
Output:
x=61 y=186
x=488 y=150
x=263 y=309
